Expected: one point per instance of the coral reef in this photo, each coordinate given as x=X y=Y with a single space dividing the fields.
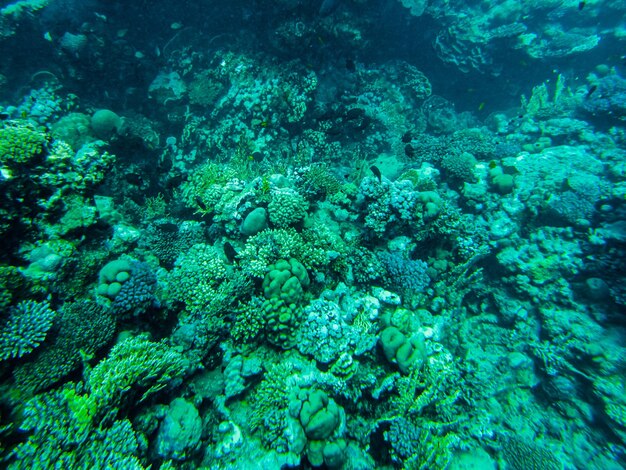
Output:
x=337 y=234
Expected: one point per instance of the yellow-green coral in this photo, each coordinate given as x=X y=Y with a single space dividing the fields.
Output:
x=20 y=144
x=134 y=365
x=65 y=433
x=249 y=321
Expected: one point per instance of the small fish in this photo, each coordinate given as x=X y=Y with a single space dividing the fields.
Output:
x=481 y=106
x=377 y=173
x=230 y=252
x=409 y=151
x=355 y=113
x=201 y=204
x=168 y=227
x=334 y=130
x=133 y=178
x=581 y=5
x=592 y=88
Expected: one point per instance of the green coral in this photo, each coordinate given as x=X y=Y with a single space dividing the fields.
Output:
x=197 y=276
x=20 y=144
x=112 y=276
x=134 y=366
x=65 y=434
x=286 y=208
x=406 y=353
x=25 y=329
x=286 y=280
x=83 y=327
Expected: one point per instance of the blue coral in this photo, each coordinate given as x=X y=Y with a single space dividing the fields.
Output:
x=609 y=99
x=323 y=334
x=403 y=273
x=25 y=329
x=137 y=294
x=387 y=203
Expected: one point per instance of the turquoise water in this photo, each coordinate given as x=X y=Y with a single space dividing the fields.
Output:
x=336 y=234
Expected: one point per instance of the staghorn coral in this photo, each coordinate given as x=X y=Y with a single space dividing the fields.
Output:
x=269 y=402
x=196 y=276
x=249 y=321
x=136 y=366
x=167 y=240
x=318 y=182
x=267 y=247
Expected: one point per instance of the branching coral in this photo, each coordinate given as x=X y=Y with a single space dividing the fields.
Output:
x=66 y=433
x=25 y=328
x=83 y=327
x=134 y=367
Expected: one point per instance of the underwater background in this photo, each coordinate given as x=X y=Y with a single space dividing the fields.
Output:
x=335 y=234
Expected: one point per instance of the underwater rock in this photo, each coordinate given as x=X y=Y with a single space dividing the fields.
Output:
x=105 y=124
x=255 y=222
x=597 y=289
x=179 y=433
